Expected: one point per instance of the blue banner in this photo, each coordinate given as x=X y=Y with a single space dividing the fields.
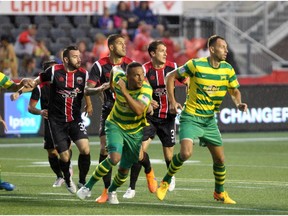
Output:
x=17 y=117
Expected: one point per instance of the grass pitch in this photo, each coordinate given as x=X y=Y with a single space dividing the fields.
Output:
x=257 y=179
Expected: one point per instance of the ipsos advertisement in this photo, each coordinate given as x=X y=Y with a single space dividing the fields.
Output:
x=17 y=117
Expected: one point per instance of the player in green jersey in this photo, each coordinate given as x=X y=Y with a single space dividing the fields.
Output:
x=123 y=127
x=210 y=79
x=8 y=84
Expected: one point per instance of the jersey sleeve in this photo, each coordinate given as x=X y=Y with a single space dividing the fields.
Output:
x=35 y=94
x=118 y=73
x=145 y=95
x=186 y=70
x=46 y=76
x=5 y=82
x=233 y=82
x=95 y=74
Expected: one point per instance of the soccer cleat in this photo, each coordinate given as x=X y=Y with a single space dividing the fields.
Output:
x=103 y=197
x=129 y=193
x=112 y=197
x=71 y=187
x=59 y=181
x=223 y=197
x=7 y=186
x=80 y=185
x=162 y=190
x=151 y=181
x=83 y=193
x=172 y=184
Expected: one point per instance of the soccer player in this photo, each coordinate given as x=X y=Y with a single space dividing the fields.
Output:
x=162 y=122
x=8 y=84
x=123 y=127
x=67 y=84
x=210 y=79
x=42 y=93
x=99 y=77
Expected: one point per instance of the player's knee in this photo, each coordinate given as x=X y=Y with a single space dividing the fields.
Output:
x=186 y=155
x=114 y=158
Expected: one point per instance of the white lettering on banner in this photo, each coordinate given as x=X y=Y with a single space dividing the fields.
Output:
x=54 y=6
x=21 y=122
x=81 y=7
x=254 y=115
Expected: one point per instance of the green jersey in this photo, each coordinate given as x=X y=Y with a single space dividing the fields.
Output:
x=5 y=82
x=208 y=85
x=121 y=113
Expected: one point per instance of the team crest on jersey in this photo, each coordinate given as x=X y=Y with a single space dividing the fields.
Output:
x=61 y=79
x=152 y=77
x=79 y=80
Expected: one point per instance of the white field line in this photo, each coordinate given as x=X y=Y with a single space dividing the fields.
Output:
x=160 y=204
x=37 y=163
x=240 y=182
x=230 y=140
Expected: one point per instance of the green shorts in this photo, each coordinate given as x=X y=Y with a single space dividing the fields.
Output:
x=127 y=145
x=204 y=128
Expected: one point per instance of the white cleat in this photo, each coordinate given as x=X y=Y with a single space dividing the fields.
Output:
x=72 y=187
x=83 y=193
x=59 y=181
x=172 y=184
x=112 y=198
x=129 y=193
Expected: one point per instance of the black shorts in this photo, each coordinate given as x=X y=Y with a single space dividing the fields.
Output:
x=62 y=132
x=165 y=130
x=48 y=141
x=106 y=109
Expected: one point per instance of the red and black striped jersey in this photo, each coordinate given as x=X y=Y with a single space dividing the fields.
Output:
x=66 y=92
x=156 y=78
x=42 y=93
x=100 y=73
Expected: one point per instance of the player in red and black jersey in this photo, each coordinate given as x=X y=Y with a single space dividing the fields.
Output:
x=99 y=77
x=42 y=93
x=162 y=122
x=67 y=84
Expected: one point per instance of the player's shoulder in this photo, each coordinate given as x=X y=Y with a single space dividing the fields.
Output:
x=171 y=64
x=127 y=60
x=103 y=61
x=82 y=70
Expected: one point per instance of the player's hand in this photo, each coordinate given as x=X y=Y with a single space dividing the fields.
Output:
x=122 y=85
x=14 y=96
x=150 y=110
x=105 y=86
x=44 y=113
x=154 y=104
x=242 y=107
x=88 y=110
x=28 y=82
x=173 y=107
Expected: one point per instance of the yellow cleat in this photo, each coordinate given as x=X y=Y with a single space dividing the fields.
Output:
x=151 y=181
x=223 y=197
x=162 y=190
x=103 y=197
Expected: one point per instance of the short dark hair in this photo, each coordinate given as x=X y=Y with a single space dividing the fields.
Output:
x=47 y=64
x=112 y=38
x=132 y=65
x=153 y=46
x=212 y=40
x=68 y=49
